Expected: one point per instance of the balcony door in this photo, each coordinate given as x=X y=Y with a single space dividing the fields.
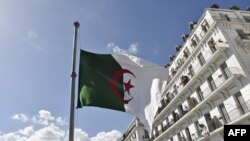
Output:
x=225 y=71
x=199 y=93
x=241 y=103
x=225 y=115
x=211 y=83
x=211 y=45
x=201 y=59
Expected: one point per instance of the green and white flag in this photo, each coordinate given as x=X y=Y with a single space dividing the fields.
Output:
x=121 y=82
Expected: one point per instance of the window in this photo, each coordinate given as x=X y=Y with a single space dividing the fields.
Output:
x=188 y=134
x=224 y=17
x=208 y=119
x=211 y=45
x=175 y=89
x=193 y=132
x=173 y=72
x=201 y=59
x=193 y=43
x=204 y=26
x=247 y=18
x=225 y=71
x=191 y=71
x=199 y=93
x=216 y=118
x=225 y=115
x=133 y=137
x=184 y=79
x=192 y=101
x=180 y=62
x=146 y=134
x=170 y=96
x=196 y=38
x=186 y=53
x=242 y=34
x=241 y=102
x=211 y=83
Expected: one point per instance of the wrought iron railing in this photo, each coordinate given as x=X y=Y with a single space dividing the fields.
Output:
x=228 y=19
x=125 y=135
x=197 y=68
x=239 y=110
x=206 y=93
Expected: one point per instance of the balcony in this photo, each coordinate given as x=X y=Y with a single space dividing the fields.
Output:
x=206 y=92
x=146 y=138
x=182 y=89
x=184 y=80
x=189 y=55
x=238 y=119
x=235 y=73
x=243 y=40
x=227 y=19
x=128 y=132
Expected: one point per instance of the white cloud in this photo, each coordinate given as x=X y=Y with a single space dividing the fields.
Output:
x=115 y=48
x=52 y=130
x=54 y=133
x=133 y=48
x=20 y=135
x=20 y=117
x=12 y=137
x=49 y=133
x=27 y=131
x=79 y=135
x=61 y=121
x=107 y=136
x=43 y=117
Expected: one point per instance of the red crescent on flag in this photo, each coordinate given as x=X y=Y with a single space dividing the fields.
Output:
x=113 y=84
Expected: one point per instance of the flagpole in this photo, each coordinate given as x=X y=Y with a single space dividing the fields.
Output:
x=73 y=77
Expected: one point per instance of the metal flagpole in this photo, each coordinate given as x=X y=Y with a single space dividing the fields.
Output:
x=73 y=77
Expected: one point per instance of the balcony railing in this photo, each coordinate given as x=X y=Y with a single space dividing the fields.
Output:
x=128 y=131
x=228 y=19
x=206 y=92
x=188 y=56
x=236 y=72
x=199 y=71
x=234 y=114
x=205 y=30
x=237 y=112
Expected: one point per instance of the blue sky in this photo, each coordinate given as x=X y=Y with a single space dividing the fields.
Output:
x=36 y=38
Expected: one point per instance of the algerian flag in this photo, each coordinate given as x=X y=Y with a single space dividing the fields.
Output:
x=121 y=82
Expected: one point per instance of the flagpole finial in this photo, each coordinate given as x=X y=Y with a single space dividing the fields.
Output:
x=76 y=24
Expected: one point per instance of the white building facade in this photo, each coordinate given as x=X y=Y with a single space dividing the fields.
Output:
x=209 y=83
x=135 y=132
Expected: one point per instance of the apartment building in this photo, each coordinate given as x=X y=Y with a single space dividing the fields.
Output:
x=135 y=132
x=209 y=83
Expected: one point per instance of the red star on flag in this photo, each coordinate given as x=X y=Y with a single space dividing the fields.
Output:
x=128 y=86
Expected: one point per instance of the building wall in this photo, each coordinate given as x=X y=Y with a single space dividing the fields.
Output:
x=234 y=57
x=217 y=76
